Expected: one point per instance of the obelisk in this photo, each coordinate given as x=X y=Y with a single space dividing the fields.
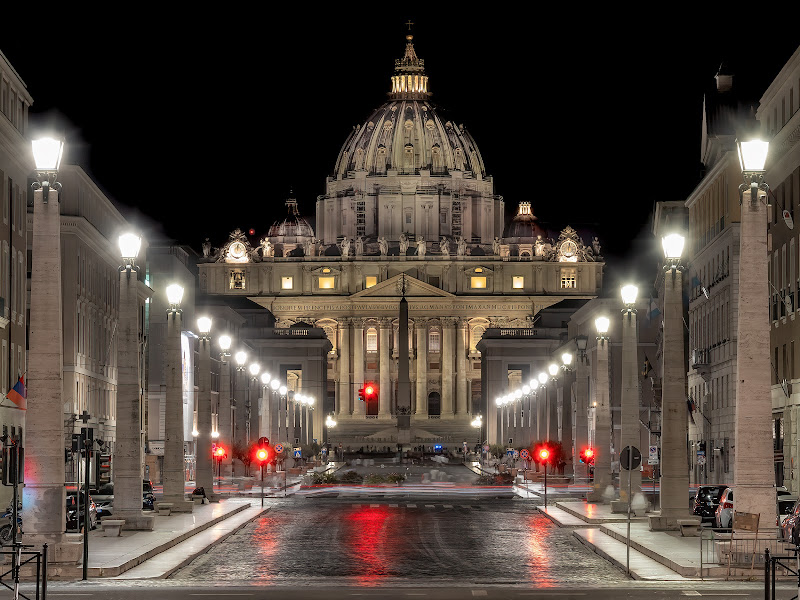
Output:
x=403 y=380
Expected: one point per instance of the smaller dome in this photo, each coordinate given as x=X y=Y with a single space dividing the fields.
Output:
x=524 y=225
x=293 y=226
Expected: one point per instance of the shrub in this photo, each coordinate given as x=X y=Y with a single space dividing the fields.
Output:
x=374 y=479
x=351 y=477
x=323 y=478
x=395 y=477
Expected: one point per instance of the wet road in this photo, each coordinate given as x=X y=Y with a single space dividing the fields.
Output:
x=426 y=541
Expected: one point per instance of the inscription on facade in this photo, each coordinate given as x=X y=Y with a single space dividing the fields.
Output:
x=393 y=306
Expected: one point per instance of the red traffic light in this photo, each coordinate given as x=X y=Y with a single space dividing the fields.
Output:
x=262 y=454
x=219 y=452
x=369 y=390
x=587 y=455
x=544 y=454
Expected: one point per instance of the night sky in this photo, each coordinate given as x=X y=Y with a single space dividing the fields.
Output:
x=195 y=124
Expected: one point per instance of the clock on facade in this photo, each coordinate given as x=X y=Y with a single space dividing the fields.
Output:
x=237 y=250
x=569 y=251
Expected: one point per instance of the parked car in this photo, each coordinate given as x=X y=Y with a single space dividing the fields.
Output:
x=76 y=519
x=723 y=517
x=706 y=500
x=790 y=526
x=786 y=506
x=104 y=498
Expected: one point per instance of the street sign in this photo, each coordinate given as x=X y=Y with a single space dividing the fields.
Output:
x=525 y=454
x=652 y=459
x=486 y=447
x=278 y=448
x=509 y=452
x=630 y=458
x=516 y=454
x=297 y=453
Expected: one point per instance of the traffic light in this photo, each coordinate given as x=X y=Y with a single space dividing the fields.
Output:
x=544 y=454
x=219 y=453
x=587 y=455
x=370 y=392
x=264 y=454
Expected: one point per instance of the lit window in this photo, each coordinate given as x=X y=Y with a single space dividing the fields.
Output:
x=325 y=283
x=518 y=283
x=477 y=282
x=372 y=340
x=370 y=281
x=326 y=270
x=434 y=341
x=237 y=279
x=568 y=279
x=479 y=270
x=287 y=283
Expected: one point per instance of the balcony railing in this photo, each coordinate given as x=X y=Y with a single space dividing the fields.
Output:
x=699 y=357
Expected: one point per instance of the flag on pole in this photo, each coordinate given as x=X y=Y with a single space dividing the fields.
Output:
x=19 y=394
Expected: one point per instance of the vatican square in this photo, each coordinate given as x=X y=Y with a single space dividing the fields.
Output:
x=362 y=303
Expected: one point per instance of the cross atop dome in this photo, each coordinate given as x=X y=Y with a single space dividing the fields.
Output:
x=409 y=80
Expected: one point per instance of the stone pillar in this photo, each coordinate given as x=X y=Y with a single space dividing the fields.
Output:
x=128 y=456
x=422 y=368
x=345 y=390
x=674 y=470
x=541 y=413
x=173 y=475
x=204 y=461
x=359 y=407
x=553 y=400
x=44 y=496
x=448 y=332
x=565 y=424
x=602 y=436
x=754 y=478
x=225 y=418
x=385 y=389
x=462 y=406
x=581 y=470
x=629 y=416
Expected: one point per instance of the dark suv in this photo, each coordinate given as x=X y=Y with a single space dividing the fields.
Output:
x=705 y=502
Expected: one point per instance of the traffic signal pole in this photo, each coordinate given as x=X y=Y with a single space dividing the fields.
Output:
x=87 y=445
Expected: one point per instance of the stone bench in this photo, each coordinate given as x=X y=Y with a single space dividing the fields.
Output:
x=112 y=527
x=164 y=509
x=689 y=527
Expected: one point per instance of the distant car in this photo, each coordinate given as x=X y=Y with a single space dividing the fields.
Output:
x=723 y=517
x=76 y=518
x=790 y=526
x=104 y=498
x=706 y=501
x=786 y=506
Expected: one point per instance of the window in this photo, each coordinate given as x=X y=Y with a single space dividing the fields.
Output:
x=518 y=282
x=370 y=281
x=443 y=216
x=434 y=281
x=434 y=341
x=325 y=283
x=568 y=279
x=287 y=283
x=237 y=279
x=478 y=282
x=477 y=334
x=408 y=218
x=372 y=340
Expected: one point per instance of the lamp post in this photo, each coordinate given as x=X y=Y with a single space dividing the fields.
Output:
x=239 y=427
x=264 y=412
x=753 y=460
x=224 y=410
x=542 y=421
x=330 y=423
x=602 y=462
x=477 y=423
x=128 y=447
x=674 y=482
x=274 y=384
x=629 y=414
x=173 y=475
x=552 y=406
x=44 y=495
x=254 y=369
x=565 y=409
x=204 y=477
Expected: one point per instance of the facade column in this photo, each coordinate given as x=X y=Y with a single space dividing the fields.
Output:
x=448 y=331
x=128 y=456
x=754 y=477
x=422 y=367
x=674 y=470
x=173 y=475
x=629 y=415
x=344 y=367
x=359 y=407
x=204 y=469
x=385 y=390
x=565 y=425
x=541 y=413
x=553 y=402
x=602 y=446
x=225 y=415
x=462 y=406
x=581 y=386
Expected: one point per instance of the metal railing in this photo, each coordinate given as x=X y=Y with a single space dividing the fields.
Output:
x=39 y=556
x=789 y=564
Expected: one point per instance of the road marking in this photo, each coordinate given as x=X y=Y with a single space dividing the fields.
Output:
x=430 y=506
x=448 y=506
x=479 y=592
x=692 y=593
x=393 y=506
x=374 y=505
x=411 y=506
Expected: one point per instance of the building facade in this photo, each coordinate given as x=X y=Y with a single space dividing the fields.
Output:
x=409 y=211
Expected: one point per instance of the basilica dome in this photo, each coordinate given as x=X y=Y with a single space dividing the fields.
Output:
x=294 y=228
x=408 y=133
x=524 y=226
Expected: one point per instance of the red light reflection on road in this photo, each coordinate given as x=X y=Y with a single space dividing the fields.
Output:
x=538 y=557
x=266 y=544
x=367 y=540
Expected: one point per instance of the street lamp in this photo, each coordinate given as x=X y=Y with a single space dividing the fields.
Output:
x=254 y=368
x=241 y=358
x=602 y=468
x=47 y=153
x=204 y=463
x=174 y=297
x=753 y=460
x=566 y=361
x=630 y=432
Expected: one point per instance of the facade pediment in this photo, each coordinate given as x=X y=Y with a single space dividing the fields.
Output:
x=393 y=287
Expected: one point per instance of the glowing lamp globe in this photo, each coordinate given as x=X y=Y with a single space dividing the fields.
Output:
x=241 y=358
x=566 y=358
x=542 y=378
x=254 y=369
x=602 y=323
x=47 y=153
x=526 y=389
x=265 y=377
x=129 y=245
x=225 y=342
x=283 y=390
x=553 y=368
x=204 y=325
x=752 y=155
x=174 y=294
x=274 y=384
x=673 y=246
x=629 y=293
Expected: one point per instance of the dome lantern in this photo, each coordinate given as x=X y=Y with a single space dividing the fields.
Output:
x=409 y=81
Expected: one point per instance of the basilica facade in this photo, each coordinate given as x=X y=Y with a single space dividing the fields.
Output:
x=409 y=210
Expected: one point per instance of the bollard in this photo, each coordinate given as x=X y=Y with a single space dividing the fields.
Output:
x=766 y=574
x=44 y=572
